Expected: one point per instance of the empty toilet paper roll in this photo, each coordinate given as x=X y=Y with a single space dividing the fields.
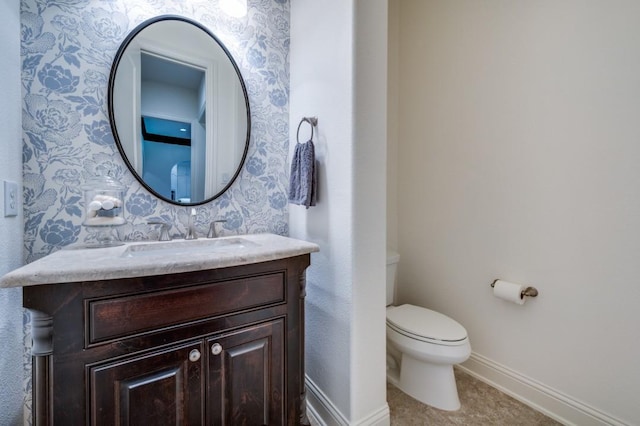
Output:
x=509 y=291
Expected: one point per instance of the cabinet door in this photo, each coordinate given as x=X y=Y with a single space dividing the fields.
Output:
x=246 y=376
x=160 y=388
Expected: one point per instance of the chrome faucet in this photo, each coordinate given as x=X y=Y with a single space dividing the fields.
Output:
x=191 y=229
x=212 y=228
x=164 y=229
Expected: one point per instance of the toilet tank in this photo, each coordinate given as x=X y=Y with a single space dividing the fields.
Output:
x=392 y=267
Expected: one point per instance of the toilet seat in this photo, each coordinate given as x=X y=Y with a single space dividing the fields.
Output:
x=426 y=325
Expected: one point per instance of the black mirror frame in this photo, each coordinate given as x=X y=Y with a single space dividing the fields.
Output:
x=112 y=77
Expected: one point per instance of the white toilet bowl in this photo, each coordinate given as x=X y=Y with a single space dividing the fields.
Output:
x=422 y=347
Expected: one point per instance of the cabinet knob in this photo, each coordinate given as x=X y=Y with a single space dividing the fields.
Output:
x=216 y=348
x=194 y=355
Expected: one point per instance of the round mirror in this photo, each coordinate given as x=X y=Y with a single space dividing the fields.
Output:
x=179 y=110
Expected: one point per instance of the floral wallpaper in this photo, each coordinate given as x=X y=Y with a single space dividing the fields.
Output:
x=67 y=48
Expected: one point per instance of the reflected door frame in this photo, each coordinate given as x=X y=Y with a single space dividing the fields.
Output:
x=210 y=109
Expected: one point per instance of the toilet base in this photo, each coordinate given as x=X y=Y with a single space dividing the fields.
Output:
x=431 y=384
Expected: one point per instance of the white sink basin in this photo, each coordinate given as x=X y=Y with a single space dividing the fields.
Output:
x=190 y=247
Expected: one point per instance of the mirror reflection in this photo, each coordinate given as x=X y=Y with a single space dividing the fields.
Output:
x=179 y=110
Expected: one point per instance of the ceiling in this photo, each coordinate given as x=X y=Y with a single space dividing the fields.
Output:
x=168 y=128
x=160 y=70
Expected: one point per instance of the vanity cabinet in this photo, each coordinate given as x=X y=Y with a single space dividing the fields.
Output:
x=221 y=346
x=241 y=377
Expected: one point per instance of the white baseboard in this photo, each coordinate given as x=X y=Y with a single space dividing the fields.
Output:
x=540 y=397
x=322 y=412
x=320 y=409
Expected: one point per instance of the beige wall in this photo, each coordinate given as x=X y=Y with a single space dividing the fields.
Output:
x=519 y=158
x=392 y=124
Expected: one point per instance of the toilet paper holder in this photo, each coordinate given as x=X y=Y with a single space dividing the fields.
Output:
x=529 y=291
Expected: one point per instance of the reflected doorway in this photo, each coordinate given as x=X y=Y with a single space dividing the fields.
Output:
x=166 y=157
x=173 y=127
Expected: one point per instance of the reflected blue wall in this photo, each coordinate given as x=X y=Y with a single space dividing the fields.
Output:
x=158 y=159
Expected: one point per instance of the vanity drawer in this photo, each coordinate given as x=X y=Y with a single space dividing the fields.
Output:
x=117 y=317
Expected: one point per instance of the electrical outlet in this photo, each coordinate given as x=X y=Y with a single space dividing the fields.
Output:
x=10 y=198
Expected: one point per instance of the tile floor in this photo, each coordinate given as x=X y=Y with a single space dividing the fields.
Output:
x=482 y=405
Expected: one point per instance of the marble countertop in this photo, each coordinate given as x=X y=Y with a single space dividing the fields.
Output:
x=78 y=263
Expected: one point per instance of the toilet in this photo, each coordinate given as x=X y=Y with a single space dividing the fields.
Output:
x=422 y=347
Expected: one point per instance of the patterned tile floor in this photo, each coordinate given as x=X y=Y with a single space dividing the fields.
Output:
x=482 y=405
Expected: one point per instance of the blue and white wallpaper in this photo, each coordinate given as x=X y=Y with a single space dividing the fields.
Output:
x=67 y=50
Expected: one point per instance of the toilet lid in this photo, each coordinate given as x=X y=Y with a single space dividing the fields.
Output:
x=424 y=323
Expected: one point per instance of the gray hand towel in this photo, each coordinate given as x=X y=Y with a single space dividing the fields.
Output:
x=303 y=182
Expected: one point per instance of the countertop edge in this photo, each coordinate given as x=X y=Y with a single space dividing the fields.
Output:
x=88 y=265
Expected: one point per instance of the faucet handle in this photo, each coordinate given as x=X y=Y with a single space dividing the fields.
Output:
x=212 y=228
x=164 y=229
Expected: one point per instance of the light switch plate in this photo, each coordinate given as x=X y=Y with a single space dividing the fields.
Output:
x=10 y=198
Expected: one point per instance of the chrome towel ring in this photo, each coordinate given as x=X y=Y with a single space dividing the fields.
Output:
x=313 y=121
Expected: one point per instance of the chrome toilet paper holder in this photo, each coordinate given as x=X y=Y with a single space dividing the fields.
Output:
x=529 y=291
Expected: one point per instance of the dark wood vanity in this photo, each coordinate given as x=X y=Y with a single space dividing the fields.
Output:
x=222 y=346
